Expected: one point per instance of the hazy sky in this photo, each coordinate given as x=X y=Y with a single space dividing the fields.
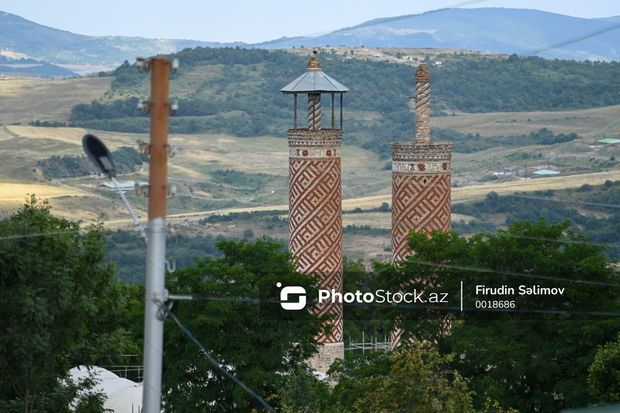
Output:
x=252 y=21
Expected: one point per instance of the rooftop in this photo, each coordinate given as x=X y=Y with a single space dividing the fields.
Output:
x=314 y=80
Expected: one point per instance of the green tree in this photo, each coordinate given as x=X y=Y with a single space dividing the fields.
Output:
x=604 y=379
x=301 y=391
x=417 y=379
x=61 y=307
x=526 y=360
x=259 y=342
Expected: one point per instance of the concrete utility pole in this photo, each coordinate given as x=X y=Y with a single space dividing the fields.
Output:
x=156 y=234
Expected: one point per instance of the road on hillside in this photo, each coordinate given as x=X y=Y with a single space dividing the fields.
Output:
x=459 y=194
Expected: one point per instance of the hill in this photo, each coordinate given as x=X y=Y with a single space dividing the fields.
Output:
x=36 y=68
x=502 y=30
x=27 y=38
x=486 y=29
x=230 y=104
x=236 y=91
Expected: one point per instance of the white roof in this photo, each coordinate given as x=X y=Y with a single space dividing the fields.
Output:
x=122 y=395
x=546 y=172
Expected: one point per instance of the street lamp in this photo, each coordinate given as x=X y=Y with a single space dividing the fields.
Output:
x=101 y=156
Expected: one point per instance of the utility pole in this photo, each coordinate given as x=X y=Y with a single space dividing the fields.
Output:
x=156 y=234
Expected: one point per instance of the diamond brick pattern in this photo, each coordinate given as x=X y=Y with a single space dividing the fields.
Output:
x=315 y=229
x=419 y=203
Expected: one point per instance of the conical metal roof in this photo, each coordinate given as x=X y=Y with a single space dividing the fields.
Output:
x=314 y=81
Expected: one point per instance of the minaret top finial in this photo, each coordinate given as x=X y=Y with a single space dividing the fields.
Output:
x=314 y=64
x=423 y=73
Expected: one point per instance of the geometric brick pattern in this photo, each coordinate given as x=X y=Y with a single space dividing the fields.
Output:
x=315 y=228
x=421 y=194
x=420 y=203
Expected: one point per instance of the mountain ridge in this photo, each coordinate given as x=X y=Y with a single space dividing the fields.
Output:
x=500 y=30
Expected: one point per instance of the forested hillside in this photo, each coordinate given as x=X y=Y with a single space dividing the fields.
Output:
x=237 y=91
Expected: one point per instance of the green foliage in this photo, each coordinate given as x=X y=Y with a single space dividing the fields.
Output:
x=301 y=392
x=273 y=216
x=602 y=225
x=61 y=307
x=468 y=143
x=524 y=84
x=240 y=93
x=415 y=379
x=531 y=362
x=98 y=110
x=604 y=378
x=127 y=250
x=361 y=321
x=260 y=343
x=47 y=123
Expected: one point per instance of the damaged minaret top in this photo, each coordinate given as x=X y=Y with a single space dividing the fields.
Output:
x=422 y=104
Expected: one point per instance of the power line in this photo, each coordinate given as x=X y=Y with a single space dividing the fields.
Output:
x=39 y=234
x=412 y=306
x=214 y=362
x=575 y=39
x=512 y=273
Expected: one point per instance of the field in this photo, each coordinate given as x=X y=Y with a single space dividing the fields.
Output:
x=24 y=99
x=16 y=192
x=592 y=124
x=219 y=174
x=201 y=163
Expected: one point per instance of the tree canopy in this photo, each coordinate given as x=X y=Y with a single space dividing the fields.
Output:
x=239 y=325
x=61 y=307
x=536 y=356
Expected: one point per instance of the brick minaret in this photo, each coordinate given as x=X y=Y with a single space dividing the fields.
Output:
x=315 y=199
x=420 y=180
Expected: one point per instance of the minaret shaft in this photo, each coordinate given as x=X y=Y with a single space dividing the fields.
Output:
x=421 y=180
x=423 y=106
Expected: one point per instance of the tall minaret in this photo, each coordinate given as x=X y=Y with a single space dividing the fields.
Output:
x=420 y=180
x=315 y=199
x=420 y=176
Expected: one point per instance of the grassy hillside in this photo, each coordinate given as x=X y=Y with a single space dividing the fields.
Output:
x=236 y=91
x=24 y=99
x=226 y=89
x=590 y=208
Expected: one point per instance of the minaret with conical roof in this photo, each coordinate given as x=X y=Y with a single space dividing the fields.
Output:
x=315 y=199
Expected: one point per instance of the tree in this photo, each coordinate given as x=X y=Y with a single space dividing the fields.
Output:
x=417 y=379
x=61 y=308
x=604 y=379
x=257 y=341
x=301 y=392
x=531 y=360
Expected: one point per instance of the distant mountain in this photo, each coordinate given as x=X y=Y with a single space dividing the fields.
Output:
x=486 y=29
x=37 y=68
x=44 y=43
x=501 y=30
